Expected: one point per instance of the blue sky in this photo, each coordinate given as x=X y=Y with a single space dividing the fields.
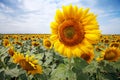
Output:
x=34 y=16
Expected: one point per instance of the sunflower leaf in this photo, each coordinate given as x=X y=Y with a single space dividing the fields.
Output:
x=62 y=73
x=91 y=68
x=40 y=76
x=12 y=72
x=79 y=63
x=22 y=77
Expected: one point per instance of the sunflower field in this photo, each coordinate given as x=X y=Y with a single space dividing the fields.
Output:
x=75 y=50
x=43 y=63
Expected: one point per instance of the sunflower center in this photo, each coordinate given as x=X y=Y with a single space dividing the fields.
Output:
x=11 y=51
x=6 y=43
x=47 y=43
x=110 y=55
x=26 y=65
x=115 y=45
x=70 y=33
x=85 y=57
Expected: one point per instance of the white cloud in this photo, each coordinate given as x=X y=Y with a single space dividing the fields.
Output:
x=67 y=2
x=33 y=5
x=2 y=17
x=2 y=5
x=26 y=23
x=37 y=21
x=42 y=13
x=112 y=26
x=5 y=8
x=115 y=20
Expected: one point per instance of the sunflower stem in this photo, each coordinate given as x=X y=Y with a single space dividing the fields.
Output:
x=70 y=68
x=98 y=73
x=70 y=64
x=28 y=76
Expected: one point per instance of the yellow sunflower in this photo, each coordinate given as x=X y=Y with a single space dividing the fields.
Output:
x=28 y=63
x=115 y=44
x=47 y=43
x=19 y=43
x=118 y=40
x=35 y=43
x=11 y=51
x=6 y=42
x=110 y=54
x=106 y=41
x=88 y=56
x=74 y=30
x=6 y=37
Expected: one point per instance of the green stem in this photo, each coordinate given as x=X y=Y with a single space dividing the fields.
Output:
x=28 y=76
x=70 y=68
x=70 y=64
x=97 y=75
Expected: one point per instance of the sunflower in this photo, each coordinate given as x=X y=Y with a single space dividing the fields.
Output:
x=28 y=63
x=115 y=44
x=11 y=51
x=98 y=49
x=6 y=37
x=47 y=43
x=101 y=40
x=118 y=40
x=110 y=54
x=88 y=56
x=19 y=43
x=106 y=41
x=35 y=43
x=6 y=42
x=74 y=30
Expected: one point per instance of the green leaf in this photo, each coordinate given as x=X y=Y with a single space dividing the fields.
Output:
x=107 y=76
x=40 y=77
x=82 y=76
x=2 y=75
x=71 y=75
x=3 y=51
x=78 y=68
x=47 y=71
x=11 y=65
x=12 y=72
x=91 y=68
x=8 y=77
x=59 y=73
x=79 y=63
x=6 y=59
x=116 y=65
x=22 y=77
x=63 y=72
